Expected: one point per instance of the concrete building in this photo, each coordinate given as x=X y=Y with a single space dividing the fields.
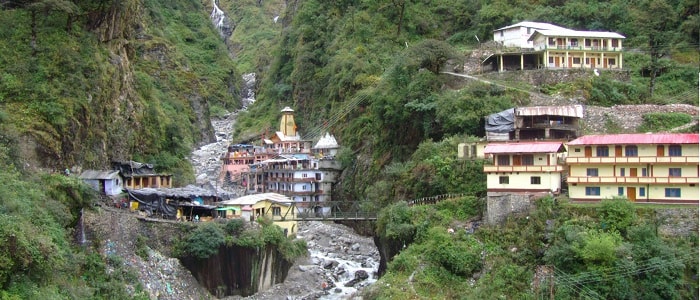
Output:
x=535 y=123
x=534 y=45
x=661 y=168
x=273 y=206
x=526 y=167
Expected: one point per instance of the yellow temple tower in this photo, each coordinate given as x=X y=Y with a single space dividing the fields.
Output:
x=287 y=125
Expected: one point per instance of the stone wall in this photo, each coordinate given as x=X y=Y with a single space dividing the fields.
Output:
x=500 y=205
x=677 y=222
x=552 y=76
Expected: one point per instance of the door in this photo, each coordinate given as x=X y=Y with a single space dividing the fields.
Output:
x=517 y=160
x=570 y=62
x=587 y=152
x=556 y=62
x=618 y=151
x=632 y=194
x=660 y=150
x=633 y=172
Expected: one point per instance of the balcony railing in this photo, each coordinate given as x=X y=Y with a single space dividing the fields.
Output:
x=639 y=180
x=632 y=160
x=578 y=48
x=491 y=169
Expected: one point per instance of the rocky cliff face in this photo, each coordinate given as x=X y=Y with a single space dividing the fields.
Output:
x=236 y=270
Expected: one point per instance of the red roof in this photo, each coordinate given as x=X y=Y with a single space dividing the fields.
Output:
x=637 y=138
x=527 y=147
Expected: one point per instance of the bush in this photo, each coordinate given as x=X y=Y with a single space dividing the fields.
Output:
x=617 y=214
x=204 y=241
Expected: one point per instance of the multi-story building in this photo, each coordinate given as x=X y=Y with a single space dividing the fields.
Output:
x=287 y=165
x=660 y=168
x=533 y=45
x=535 y=123
x=525 y=167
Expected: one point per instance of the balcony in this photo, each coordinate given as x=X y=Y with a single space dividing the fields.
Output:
x=632 y=180
x=540 y=169
x=633 y=160
x=578 y=48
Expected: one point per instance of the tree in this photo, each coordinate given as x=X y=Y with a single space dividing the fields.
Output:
x=656 y=24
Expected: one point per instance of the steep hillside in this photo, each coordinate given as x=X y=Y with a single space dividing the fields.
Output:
x=85 y=84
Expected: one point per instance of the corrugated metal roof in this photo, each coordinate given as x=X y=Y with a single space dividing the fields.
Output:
x=255 y=198
x=576 y=33
x=94 y=174
x=525 y=147
x=569 y=111
x=538 y=25
x=637 y=138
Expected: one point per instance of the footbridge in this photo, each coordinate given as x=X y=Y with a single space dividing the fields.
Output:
x=348 y=210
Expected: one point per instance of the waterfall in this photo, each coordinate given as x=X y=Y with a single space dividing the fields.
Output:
x=80 y=234
x=217 y=18
x=248 y=91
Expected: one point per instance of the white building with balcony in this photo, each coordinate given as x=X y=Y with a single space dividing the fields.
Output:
x=534 y=45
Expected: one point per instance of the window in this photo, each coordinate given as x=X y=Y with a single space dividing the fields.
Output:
x=551 y=60
x=675 y=150
x=577 y=150
x=529 y=30
x=642 y=192
x=303 y=187
x=588 y=61
x=535 y=180
x=528 y=160
x=501 y=33
x=503 y=179
x=674 y=172
x=602 y=151
x=587 y=42
x=620 y=191
x=631 y=150
x=611 y=61
x=622 y=172
x=592 y=172
x=673 y=192
x=552 y=42
x=577 y=60
x=276 y=211
x=615 y=43
x=592 y=191
x=574 y=42
x=504 y=160
x=644 y=172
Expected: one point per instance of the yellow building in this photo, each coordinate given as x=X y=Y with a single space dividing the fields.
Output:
x=660 y=168
x=525 y=167
x=273 y=206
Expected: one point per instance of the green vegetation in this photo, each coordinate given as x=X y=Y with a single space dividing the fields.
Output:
x=83 y=95
x=663 y=121
x=206 y=239
x=610 y=251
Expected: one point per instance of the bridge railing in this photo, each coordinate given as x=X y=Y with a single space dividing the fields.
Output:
x=433 y=199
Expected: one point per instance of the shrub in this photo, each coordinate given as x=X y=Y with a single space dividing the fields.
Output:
x=204 y=241
x=617 y=214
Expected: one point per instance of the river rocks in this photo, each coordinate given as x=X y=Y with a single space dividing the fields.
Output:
x=326 y=272
x=360 y=275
